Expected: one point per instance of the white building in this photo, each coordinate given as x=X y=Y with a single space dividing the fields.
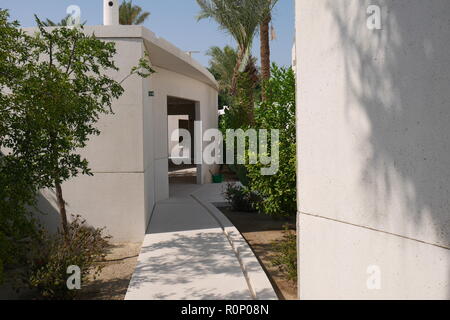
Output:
x=374 y=149
x=129 y=159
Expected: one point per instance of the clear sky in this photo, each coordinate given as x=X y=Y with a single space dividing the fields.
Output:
x=174 y=20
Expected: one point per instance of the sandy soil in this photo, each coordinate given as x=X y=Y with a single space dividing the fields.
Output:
x=261 y=232
x=116 y=275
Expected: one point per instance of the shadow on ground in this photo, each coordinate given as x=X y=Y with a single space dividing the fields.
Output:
x=182 y=261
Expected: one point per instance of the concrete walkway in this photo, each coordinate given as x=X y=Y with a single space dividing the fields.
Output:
x=189 y=254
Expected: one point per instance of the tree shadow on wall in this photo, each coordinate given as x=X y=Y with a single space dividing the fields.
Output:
x=398 y=80
x=47 y=213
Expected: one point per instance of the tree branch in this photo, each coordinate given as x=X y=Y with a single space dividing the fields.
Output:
x=72 y=53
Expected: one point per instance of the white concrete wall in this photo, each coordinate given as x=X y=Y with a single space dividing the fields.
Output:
x=374 y=148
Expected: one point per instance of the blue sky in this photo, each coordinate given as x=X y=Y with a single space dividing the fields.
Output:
x=173 y=20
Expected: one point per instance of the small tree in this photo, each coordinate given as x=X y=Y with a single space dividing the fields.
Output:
x=57 y=93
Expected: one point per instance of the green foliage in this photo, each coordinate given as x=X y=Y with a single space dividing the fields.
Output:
x=233 y=119
x=240 y=19
x=241 y=173
x=240 y=112
x=17 y=228
x=17 y=186
x=278 y=192
x=221 y=66
x=240 y=198
x=65 y=22
x=130 y=14
x=286 y=257
x=83 y=246
x=142 y=69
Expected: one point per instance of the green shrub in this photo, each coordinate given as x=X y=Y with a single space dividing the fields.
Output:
x=279 y=191
x=241 y=173
x=286 y=257
x=83 y=246
x=17 y=227
x=240 y=198
x=233 y=119
x=17 y=187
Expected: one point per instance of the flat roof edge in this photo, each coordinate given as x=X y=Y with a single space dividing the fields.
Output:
x=121 y=31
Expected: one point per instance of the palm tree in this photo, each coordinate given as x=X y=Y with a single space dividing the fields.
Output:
x=63 y=23
x=131 y=14
x=248 y=81
x=265 y=38
x=240 y=19
x=221 y=65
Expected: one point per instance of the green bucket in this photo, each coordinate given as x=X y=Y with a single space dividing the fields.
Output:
x=217 y=178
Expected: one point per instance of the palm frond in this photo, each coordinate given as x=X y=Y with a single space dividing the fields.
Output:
x=130 y=14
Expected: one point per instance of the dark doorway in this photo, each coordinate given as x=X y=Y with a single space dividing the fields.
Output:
x=181 y=114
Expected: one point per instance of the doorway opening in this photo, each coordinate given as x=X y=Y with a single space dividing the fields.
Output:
x=182 y=114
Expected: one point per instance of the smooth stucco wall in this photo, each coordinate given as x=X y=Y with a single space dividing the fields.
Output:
x=374 y=148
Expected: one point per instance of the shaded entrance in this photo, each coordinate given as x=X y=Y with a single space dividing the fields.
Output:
x=182 y=114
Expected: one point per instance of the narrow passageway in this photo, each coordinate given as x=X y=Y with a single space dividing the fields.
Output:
x=182 y=174
x=186 y=255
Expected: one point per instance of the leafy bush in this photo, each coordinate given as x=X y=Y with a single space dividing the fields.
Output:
x=241 y=173
x=286 y=258
x=17 y=228
x=279 y=191
x=240 y=111
x=233 y=119
x=82 y=246
x=17 y=188
x=240 y=198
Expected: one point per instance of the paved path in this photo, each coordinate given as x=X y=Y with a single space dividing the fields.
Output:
x=188 y=255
